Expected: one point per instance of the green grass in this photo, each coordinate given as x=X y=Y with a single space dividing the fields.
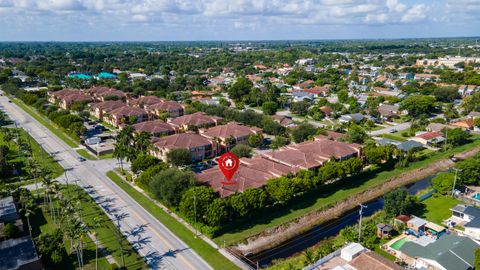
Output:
x=207 y=252
x=84 y=153
x=437 y=208
x=43 y=158
x=41 y=222
x=394 y=136
x=271 y=217
x=68 y=140
x=106 y=156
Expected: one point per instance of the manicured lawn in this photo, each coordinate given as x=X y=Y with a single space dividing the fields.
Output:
x=106 y=156
x=207 y=252
x=394 y=136
x=272 y=217
x=68 y=140
x=437 y=208
x=84 y=153
x=106 y=230
x=38 y=154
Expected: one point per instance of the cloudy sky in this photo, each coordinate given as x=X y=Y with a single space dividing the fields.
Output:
x=128 y=20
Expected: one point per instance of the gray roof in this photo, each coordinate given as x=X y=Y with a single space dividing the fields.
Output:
x=17 y=252
x=417 y=222
x=471 y=211
x=8 y=212
x=407 y=145
x=354 y=116
x=451 y=251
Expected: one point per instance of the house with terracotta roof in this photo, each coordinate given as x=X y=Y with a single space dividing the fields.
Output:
x=173 y=108
x=156 y=128
x=327 y=110
x=313 y=154
x=200 y=147
x=429 y=138
x=143 y=101
x=102 y=93
x=252 y=173
x=195 y=121
x=426 y=77
x=321 y=91
x=66 y=97
x=126 y=115
x=230 y=134
x=283 y=120
x=332 y=135
x=467 y=124
x=387 y=111
x=100 y=109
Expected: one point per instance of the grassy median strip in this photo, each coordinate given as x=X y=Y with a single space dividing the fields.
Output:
x=84 y=153
x=314 y=202
x=44 y=122
x=207 y=252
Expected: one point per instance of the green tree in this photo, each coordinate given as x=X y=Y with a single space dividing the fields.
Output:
x=417 y=105
x=242 y=150
x=446 y=94
x=10 y=230
x=144 y=179
x=269 y=107
x=477 y=258
x=51 y=246
x=300 y=108
x=281 y=189
x=170 y=185
x=179 y=157
x=456 y=136
x=196 y=199
x=469 y=171
x=142 y=142
x=356 y=134
x=342 y=96
x=443 y=183
x=240 y=89
x=278 y=142
x=395 y=202
x=216 y=212
x=255 y=140
x=143 y=162
x=303 y=132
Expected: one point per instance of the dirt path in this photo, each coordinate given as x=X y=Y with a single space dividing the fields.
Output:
x=277 y=235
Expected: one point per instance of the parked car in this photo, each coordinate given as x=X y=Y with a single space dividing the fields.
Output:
x=81 y=159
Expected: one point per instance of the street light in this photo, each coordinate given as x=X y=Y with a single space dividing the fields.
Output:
x=455 y=181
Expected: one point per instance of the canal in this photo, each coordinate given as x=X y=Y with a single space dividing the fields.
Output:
x=329 y=229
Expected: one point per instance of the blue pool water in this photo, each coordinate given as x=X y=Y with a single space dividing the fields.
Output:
x=476 y=196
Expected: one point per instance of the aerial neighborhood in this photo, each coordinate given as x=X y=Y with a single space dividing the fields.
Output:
x=352 y=155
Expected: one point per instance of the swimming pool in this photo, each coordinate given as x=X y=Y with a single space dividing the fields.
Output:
x=476 y=196
x=399 y=243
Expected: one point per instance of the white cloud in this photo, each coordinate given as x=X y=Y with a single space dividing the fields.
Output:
x=415 y=14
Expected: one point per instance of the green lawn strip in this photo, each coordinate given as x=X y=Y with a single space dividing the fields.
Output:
x=238 y=231
x=106 y=156
x=46 y=123
x=38 y=153
x=84 y=153
x=394 y=136
x=207 y=252
x=437 y=208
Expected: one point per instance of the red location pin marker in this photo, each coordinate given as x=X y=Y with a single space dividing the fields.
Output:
x=228 y=164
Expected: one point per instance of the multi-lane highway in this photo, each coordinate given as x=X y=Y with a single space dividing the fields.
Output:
x=160 y=247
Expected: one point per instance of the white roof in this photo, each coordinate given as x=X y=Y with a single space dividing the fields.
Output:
x=352 y=249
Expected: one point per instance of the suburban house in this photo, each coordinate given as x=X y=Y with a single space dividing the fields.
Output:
x=66 y=97
x=327 y=110
x=156 y=128
x=195 y=120
x=426 y=77
x=283 y=120
x=468 y=217
x=438 y=127
x=312 y=154
x=301 y=96
x=102 y=93
x=429 y=138
x=449 y=252
x=199 y=146
x=354 y=117
x=100 y=109
x=126 y=115
x=173 y=108
x=332 y=135
x=252 y=173
x=387 y=111
x=16 y=253
x=404 y=146
x=466 y=124
x=230 y=134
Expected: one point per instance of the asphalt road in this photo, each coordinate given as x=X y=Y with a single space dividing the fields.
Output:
x=160 y=247
x=398 y=128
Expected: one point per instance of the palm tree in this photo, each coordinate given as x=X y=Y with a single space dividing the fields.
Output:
x=142 y=141
x=120 y=152
x=97 y=224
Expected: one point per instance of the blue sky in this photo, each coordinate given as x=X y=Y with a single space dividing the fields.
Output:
x=130 y=20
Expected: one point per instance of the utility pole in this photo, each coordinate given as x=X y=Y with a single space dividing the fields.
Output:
x=454 y=182
x=195 y=214
x=360 y=212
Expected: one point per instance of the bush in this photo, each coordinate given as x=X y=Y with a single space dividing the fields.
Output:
x=10 y=231
x=170 y=185
x=242 y=150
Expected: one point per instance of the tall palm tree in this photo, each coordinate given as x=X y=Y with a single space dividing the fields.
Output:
x=142 y=141
x=120 y=152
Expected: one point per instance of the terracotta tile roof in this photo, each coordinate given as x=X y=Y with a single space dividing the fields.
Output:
x=165 y=105
x=182 y=140
x=282 y=119
x=144 y=101
x=107 y=106
x=331 y=135
x=77 y=97
x=231 y=129
x=465 y=123
x=312 y=154
x=430 y=135
x=327 y=110
x=127 y=111
x=318 y=90
x=64 y=92
x=154 y=127
x=372 y=261
x=251 y=173
x=195 y=119
x=102 y=91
